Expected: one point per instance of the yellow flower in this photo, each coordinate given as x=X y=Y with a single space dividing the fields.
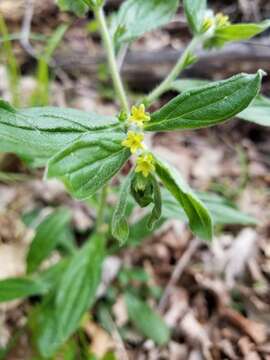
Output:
x=138 y=115
x=222 y=20
x=145 y=164
x=133 y=141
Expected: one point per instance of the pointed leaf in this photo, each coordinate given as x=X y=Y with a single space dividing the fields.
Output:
x=208 y=105
x=237 y=32
x=258 y=111
x=89 y=163
x=200 y=220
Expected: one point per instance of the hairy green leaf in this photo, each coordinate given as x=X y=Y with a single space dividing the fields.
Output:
x=208 y=105
x=200 y=220
x=135 y=17
x=237 y=32
x=195 y=13
x=36 y=134
x=119 y=226
x=47 y=236
x=89 y=163
x=258 y=112
x=146 y=320
x=61 y=311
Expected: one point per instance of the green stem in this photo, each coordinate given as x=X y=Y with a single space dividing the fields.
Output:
x=107 y=41
x=175 y=72
x=119 y=88
x=102 y=205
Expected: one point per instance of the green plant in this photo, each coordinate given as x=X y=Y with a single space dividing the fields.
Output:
x=85 y=150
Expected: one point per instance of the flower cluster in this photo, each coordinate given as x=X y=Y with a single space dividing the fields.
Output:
x=215 y=22
x=134 y=140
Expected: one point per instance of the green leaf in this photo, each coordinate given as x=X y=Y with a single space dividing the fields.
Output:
x=208 y=105
x=237 y=32
x=222 y=212
x=36 y=134
x=79 y=7
x=119 y=226
x=47 y=237
x=199 y=217
x=16 y=288
x=258 y=112
x=195 y=13
x=89 y=163
x=148 y=322
x=136 y=17
x=23 y=287
x=61 y=311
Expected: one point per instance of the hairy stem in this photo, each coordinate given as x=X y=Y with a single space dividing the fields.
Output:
x=120 y=91
x=107 y=41
x=175 y=72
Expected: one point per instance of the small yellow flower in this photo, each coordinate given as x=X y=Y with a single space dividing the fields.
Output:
x=145 y=164
x=222 y=20
x=139 y=116
x=133 y=141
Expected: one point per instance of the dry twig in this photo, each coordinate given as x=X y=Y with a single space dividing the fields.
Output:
x=178 y=271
